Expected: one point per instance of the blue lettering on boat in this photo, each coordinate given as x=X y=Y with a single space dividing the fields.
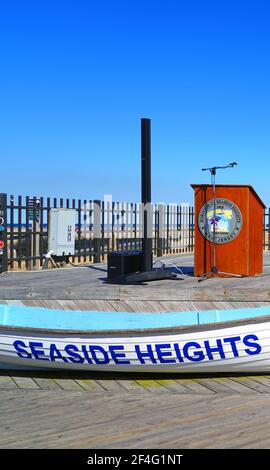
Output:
x=256 y=347
x=233 y=340
x=73 y=352
x=20 y=349
x=37 y=352
x=55 y=353
x=163 y=353
x=118 y=357
x=86 y=354
x=99 y=355
x=210 y=349
x=196 y=353
x=142 y=355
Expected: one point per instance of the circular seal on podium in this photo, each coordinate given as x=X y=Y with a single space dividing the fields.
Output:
x=225 y=222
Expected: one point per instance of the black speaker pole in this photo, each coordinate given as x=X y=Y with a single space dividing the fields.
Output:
x=146 y=191
x=146 y=272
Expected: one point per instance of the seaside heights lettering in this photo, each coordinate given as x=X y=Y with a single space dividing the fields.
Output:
x=165 y=353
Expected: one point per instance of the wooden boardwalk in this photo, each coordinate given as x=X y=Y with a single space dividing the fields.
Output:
x=133 y=305
x=54 y=409
x=89 y=283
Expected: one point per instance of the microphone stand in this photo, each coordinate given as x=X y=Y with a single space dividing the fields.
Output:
x=214 y=269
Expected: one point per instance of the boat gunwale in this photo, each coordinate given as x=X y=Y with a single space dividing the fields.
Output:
x=139 y=331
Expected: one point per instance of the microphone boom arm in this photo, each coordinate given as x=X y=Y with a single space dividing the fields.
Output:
x=214 y=168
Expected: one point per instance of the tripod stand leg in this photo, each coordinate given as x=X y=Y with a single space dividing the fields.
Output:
x=204 y=277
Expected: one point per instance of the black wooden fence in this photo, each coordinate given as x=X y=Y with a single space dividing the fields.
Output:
x=266 y=230
x=118 y=225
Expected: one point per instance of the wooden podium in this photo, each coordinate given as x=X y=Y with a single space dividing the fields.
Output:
x=238 y=230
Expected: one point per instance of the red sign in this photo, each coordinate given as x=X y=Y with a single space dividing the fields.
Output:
x=1 y=244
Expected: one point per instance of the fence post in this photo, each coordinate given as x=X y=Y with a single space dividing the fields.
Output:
x=268 y=229
x=160 y=229
x=97 y=231
x=3 y=233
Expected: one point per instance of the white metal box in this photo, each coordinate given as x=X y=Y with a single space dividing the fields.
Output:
x=62 y=231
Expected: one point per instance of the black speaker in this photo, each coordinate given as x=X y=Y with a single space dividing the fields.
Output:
x=124 y=262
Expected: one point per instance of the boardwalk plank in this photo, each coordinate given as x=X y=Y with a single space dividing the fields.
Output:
x=25 y=382
x=7 y=382
x=218 y=387
x=145 y=306
x=47 y=384
x=235 y=386
x=120 y=306
x=131 y=385
x=152 y=385
x=182 y=306
x=85 y=305
x=254 y=385
x=103 y=305
x=110 y=385
x=173 y=385
x=263 y=380
x=194 y=386
x=67 y=304
x=68 y=384
x=90 y=385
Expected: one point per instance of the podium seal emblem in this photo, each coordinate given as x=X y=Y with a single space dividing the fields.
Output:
x=225 y=223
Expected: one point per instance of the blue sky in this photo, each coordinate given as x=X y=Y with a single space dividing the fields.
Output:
x=77 y=77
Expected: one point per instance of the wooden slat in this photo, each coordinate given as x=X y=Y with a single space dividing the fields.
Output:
x=85 y=305
x=68 y=384
x=110 y=385
x=68 y=304
x=25 y=382
x=7 y=382
x=263 y=380
x=141 y=306
x=47 y=384
x=252 y=384
x=217 y=387
x=173 y=385
x=120 y=306
x=103 y=305
x=194 y=386
x=152 y=385
x=90 y=385
x=131 y=385
x=234 y=386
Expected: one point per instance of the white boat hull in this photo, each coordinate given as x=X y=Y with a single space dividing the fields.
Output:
x=242 y=346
